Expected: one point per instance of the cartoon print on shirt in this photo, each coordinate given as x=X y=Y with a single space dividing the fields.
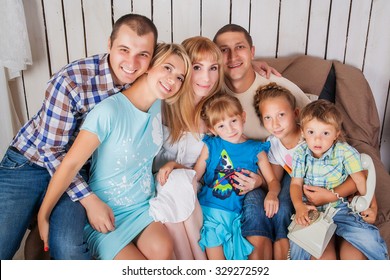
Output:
x=223 y=174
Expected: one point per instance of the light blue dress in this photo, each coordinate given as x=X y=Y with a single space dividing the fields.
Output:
x=121 y=170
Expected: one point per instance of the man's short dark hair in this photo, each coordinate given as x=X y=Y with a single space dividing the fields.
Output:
x=234 y=28
x=138 y=23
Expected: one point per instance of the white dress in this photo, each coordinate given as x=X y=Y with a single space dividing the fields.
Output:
x=175 y=201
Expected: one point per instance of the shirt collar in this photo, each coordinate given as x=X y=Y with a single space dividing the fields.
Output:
x=106 y=76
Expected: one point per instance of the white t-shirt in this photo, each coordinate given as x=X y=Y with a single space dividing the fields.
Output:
x=280 y=155
x=185 y=151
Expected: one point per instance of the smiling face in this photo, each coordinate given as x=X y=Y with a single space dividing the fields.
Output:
x=230 y=128
x=237 y=57
x=166 y=79
x=204 y=77
x=278 y=117
x=319 y=136
x=130 y=55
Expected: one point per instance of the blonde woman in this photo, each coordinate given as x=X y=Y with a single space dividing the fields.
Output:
x=123 y=134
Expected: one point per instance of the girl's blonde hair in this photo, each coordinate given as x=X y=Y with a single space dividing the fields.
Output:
x=161 y=53
x=272 y=90
x=220 y=106
x=182 y=115
x=323 y=111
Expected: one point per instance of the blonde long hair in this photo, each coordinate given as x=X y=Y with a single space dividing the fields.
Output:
x=183 y=115
x=161 y=53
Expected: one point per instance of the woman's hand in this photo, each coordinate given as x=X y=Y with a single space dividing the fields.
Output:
x=43 y=226
x=163 y=173
x=100 y=215
x=247 y=181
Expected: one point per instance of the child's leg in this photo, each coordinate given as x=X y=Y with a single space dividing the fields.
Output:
x=155 y=242
x=363 y=236
x=262 y=248
x=297 y=253
x=282 y=219
x=349 y=252
x=256 y=227
x=330 y=251
x=281 y=247
x=181 y=244
x=215 y=253
x=193 y=226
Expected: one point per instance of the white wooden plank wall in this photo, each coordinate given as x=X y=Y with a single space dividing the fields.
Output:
x=355 y=32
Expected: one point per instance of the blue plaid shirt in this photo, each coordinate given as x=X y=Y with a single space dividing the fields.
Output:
x=329 y=171
x=70 y=94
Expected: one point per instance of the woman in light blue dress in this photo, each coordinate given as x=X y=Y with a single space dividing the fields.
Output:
x=123 y=134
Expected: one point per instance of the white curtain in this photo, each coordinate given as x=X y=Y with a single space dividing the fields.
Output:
x=15 y=55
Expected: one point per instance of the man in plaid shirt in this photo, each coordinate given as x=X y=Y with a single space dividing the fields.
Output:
x=39 y=147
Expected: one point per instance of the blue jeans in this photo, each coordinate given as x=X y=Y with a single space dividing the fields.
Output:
x=363 y=236
x=256 y=223
x=22 y=187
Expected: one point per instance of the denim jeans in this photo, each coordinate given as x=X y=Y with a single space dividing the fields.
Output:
x=22 y=187
x=256 y=223
x=363 y=236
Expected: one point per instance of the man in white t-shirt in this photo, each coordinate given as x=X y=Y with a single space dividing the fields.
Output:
x=269 y=237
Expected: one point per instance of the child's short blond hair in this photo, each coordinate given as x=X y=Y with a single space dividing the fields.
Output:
x=220 y=106
x=272 y=90
x=323 y=111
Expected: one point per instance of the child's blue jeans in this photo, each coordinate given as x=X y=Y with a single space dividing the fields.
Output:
x=256 y=223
